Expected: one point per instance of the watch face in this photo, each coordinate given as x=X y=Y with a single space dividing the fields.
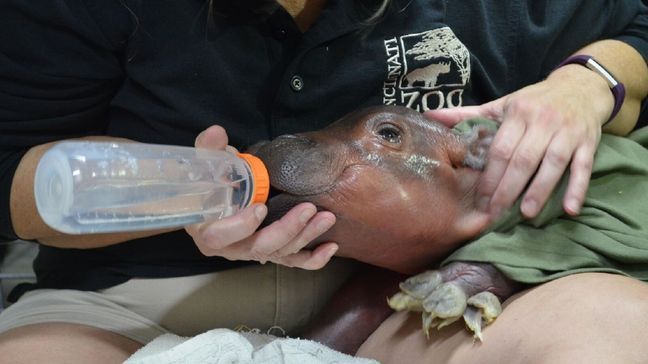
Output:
x=617 y=88
x=596 y=67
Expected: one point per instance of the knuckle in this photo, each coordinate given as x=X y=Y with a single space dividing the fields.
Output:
x=557 y=157
x=276 y=255
x=230 y=258
x=585 y=165
x=201 y=233
x=313 y=265
x=297 y=244
x=206 y=250
x=524 y=159
x=290 y=250
x=519 y=105
x=293 y=228
x=230 y=255
x=285 y=262
x=287 y=227
x=501 y=151
x=212 y=241
x=191 y=230
x=259 y=255
x=280 y=253
x=549 y=113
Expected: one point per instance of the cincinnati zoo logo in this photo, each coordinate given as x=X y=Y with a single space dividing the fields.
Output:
x=426 y=71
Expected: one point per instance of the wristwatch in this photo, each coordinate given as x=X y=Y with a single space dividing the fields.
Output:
x=617 y=88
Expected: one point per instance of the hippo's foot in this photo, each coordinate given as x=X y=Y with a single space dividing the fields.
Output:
x=469 y=290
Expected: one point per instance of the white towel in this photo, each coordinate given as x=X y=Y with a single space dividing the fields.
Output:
x=227 y=346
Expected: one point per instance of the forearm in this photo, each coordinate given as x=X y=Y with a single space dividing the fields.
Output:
x=629 y=67
x=28 y=224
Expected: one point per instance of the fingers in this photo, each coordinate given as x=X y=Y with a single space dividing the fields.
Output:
x=500 y=153
x=311 y=260
x=539 y=159
x=213 y=137
x=282 y=242
x=554 y=164
x=450 y=117
x=291 y=233
x=214 y=236
x=581 y=171
x=236 y=237
x=562 y=151
x=539 y=145
x=545 y=127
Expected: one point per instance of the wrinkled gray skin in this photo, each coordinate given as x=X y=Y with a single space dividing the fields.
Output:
x=401 y=188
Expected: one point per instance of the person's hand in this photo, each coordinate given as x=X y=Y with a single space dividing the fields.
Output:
x=235 y=237
x=544 y=127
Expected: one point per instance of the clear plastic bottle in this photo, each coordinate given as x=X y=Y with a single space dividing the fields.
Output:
x=84 y=187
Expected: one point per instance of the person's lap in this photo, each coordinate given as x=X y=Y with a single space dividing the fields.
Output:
x=582 y=318
x=109 y=325
x=585 y=318
x=64 y=343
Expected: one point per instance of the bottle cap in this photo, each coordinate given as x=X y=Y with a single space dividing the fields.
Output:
x=260 y=176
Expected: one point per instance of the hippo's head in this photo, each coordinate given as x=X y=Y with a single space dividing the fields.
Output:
x=397 y=183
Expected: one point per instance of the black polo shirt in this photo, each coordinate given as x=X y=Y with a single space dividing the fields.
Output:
x=161 y=71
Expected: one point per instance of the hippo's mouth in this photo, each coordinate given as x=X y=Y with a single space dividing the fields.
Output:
x=281 y=201
x=301 y=170
x=325 y=198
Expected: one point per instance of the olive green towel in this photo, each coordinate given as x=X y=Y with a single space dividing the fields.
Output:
x=610 y=234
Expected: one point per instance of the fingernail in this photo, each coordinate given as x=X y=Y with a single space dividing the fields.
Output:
x=199 y=138
x=260 y=211
x=306 y=215
x=529 y=208
x=324 y=225
x=572 y=206
x=332 y=251
x=482 y=204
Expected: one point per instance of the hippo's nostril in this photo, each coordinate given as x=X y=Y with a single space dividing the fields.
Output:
x=296 y=165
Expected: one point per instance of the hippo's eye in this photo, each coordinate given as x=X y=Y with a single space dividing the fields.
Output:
x=389 y=133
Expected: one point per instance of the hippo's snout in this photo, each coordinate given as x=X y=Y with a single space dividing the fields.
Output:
x=298 y=165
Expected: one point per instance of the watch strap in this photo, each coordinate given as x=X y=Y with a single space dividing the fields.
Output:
x=617 y=88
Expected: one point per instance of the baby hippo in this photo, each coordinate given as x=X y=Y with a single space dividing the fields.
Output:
x=402 y=188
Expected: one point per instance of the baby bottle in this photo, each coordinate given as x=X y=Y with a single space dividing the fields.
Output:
x=84 y=187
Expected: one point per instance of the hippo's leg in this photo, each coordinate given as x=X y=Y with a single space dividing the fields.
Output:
x=469 y=290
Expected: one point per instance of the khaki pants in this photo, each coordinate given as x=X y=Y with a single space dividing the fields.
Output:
x=256 y=297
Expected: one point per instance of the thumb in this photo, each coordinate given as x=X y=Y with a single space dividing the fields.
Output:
x=451 y=117
x=213 y=137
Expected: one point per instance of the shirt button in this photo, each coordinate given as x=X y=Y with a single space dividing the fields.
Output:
x=281 y=34
x=296 y=83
